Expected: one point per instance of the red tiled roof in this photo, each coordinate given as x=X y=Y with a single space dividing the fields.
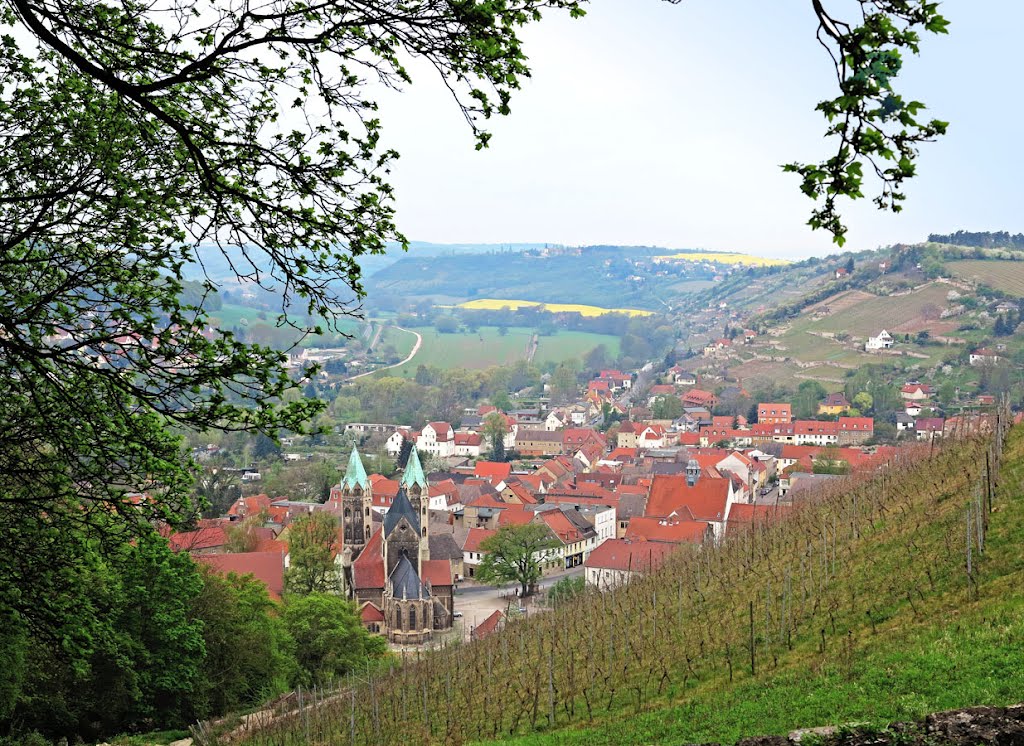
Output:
x=488 y=626
x=561 y=526
x=194 y=541
x=370 y=614
x=815 y=427
x=857 y=424
x=493 y=470
x=443 y=431
x=468 y=439
x=689 y=439
x=474 y=538
x=743 y=514
x=706 y=500
x=436 y=572
x=267 y=567
x=674 y=532
x=514 y=515
x=368 y=568
x=623 y=554
x=245 y=506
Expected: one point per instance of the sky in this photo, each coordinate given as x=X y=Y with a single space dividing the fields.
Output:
x=648 y=123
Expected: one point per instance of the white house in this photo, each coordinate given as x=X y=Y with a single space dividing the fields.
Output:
x=468 y=444
x=437 y=439
x=984 y=357
x=652 y=436
x=393 y=445
x=616 y=561
x=882 y=341
x=556 y=420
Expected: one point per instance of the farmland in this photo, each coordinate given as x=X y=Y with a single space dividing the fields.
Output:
x=871 y=315
x=494 y=304
x=722 y=257
x=1006 y=276
x=487 y=347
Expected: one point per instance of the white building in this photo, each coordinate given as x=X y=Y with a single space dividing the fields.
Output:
x=882 y=341
x=437 y=439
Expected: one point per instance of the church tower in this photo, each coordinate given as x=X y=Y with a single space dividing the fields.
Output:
x=355 y=493
x=414 y=482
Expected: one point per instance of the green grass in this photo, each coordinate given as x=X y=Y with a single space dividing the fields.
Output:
x=1002 y=275
x=486 y=347
x=871 y=316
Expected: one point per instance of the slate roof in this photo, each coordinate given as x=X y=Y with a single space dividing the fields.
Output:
x=405 y=581
x=401 y=508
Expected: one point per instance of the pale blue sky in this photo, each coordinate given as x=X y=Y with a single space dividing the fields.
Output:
x=651 y=123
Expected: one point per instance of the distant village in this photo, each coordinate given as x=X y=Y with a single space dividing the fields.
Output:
x=614 y=502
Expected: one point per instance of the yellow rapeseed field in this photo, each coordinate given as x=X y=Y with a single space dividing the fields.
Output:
x=724 y=258
x=492 y=304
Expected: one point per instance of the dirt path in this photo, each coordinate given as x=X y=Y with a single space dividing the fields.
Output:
x=415 y=349
x=531 y=348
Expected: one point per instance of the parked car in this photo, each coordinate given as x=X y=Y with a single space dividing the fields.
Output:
x=457 y=615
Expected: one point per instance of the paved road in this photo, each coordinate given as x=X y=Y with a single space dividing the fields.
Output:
x=477 y=602
x=415 y=349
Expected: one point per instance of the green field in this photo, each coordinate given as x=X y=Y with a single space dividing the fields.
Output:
x=233 y=315
x=486 y=347
x=888 y=312
x=1001 y=275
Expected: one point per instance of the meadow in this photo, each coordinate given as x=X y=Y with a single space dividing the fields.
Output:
x=722 y=257
x=494 y=304
x=1001 y=275
x=487 y=347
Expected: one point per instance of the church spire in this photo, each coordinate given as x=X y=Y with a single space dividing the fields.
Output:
x=355 y=474
x=413 y=474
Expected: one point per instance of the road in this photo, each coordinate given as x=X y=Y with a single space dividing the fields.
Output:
x=411 y=355
x=477 y=602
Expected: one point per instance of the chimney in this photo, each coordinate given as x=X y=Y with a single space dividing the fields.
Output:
x=692 y=472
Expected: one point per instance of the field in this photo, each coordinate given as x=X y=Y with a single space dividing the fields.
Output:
x=488 y=347
x=872 y=315
x=232 y=315
x=493 y=304
x=724 y=258
x=1000 y=275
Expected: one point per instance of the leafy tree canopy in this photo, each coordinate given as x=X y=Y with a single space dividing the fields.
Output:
x=515 y=555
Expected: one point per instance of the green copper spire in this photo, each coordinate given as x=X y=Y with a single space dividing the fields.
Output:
x=355 y=474
x=414 y=472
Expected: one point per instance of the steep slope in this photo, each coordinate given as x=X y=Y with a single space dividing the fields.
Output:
x=859 y=606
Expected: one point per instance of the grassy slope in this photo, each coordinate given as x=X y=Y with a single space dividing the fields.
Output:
x=487 y=347
x=1007 y=276
x=879 y=626
x=954 y=652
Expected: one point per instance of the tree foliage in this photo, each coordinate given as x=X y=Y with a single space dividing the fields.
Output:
x=515 y=555
x=330 y=640
x=876 y=128
x=313 y=541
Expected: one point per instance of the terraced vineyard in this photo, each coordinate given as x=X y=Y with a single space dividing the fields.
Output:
x=999 y=274
x=891 y=312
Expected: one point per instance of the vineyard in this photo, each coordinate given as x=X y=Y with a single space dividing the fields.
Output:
x=887 y=312
x=1007 y=276
x=882 y=598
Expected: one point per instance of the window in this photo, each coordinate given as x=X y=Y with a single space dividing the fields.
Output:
x=398 y=618
x=412 y=617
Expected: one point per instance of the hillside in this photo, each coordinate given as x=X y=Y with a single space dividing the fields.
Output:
x=887 y=599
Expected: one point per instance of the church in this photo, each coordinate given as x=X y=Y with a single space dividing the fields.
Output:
x=400 y=591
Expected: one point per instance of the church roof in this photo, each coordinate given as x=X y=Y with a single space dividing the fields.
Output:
x=405 y=582
x=401 y=508
x=414 y=472
x=355 y=474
